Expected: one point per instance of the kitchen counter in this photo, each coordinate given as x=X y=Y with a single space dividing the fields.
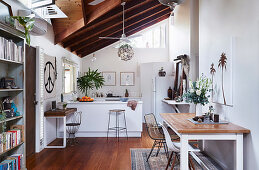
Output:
x=95 y=116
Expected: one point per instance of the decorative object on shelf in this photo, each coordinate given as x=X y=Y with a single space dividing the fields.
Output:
x=223 y=65
x=216 y=118
x=197 y=93
x=127 y=79
x=179 y=99
x=49 y=77
x=162 y=72
x=92 y=79
x=8 y=83
x=212 y=72
x=3 y=118
x=109 y=78
x=86 y=99
x=64 y=106
x=27 y=24
x=6 y=12
x=126 y=52
x=126 y=93
x=170 y=93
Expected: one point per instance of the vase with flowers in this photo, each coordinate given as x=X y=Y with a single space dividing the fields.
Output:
x=197 y=93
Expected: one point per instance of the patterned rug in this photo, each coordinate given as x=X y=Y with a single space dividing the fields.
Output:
x=139 y=157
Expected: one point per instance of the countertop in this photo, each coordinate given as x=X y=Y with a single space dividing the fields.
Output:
x=102 y=102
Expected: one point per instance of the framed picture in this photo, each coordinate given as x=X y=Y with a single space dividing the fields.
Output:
x=127 y=79
x=109 y=78
x=5 y=11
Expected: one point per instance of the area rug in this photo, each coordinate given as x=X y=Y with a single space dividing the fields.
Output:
x=139 y=157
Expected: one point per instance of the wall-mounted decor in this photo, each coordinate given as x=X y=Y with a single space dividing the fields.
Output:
x=49 y=77
x=127 y=79
x=109 y=78
x=222 y=89
x=6 y=12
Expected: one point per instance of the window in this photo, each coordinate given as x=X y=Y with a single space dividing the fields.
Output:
x=153 y=38
x=69 y=76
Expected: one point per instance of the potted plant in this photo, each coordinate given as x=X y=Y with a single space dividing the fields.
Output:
x=27 y=24
x=92 y=79
x=197 y=93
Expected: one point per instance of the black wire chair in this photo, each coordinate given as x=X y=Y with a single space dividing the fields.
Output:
x=155 y=132
x=73 y=126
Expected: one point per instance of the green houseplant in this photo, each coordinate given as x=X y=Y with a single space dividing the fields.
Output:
x=27 y=24
x=92 y=79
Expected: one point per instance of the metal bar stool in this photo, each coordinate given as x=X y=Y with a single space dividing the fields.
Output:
x=117 y=128
x=73 y=126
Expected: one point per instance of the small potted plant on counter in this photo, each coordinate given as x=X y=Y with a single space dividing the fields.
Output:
x=92 y=79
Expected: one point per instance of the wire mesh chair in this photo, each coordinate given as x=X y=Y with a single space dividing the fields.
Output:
x=155 y=132
x=73 y=126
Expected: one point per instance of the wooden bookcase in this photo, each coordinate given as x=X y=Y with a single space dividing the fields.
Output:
x=16 y=70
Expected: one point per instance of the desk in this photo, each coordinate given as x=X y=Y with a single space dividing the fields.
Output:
x=58 y=114
x=189 y=131
x=175 y=104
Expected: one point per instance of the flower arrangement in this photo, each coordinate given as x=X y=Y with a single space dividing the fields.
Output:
x=197 y=92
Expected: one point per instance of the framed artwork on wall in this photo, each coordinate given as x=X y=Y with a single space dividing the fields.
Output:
x=109 y=78
x=127 y=79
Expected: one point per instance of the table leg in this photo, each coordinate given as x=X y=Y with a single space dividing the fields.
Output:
x=184 y=153
x=176 y=108
x=65 y=133
x=239 y=152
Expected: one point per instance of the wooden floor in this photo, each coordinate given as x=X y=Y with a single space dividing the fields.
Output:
x=90 y=154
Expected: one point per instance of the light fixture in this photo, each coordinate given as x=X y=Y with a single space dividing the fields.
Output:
x=126 y=52
x=171 y=3
x=94 y=58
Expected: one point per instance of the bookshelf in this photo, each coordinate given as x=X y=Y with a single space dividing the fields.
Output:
x=13 y=67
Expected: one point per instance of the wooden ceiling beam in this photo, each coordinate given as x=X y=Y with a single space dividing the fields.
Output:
x=112 y=19
x=137 y=22
x=118 y=26
x=106 y=43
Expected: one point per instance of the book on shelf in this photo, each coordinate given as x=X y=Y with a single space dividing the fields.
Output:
x=12 y=162
x=9 y=50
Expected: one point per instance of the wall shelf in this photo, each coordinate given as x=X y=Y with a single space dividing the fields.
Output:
x=11 y=90
x=10 y=62
x=2 y=153
x=10 y=119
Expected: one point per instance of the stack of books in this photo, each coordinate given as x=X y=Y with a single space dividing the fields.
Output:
x=10 y=50
x=11 y=138
x=13 y=162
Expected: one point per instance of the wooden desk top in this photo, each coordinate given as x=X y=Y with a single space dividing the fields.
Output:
x=60 y=112
x=180 y=123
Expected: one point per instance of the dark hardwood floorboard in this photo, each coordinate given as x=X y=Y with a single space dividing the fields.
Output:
x=90 y=154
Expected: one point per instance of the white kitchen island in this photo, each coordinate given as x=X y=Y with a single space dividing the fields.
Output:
x=95 y=116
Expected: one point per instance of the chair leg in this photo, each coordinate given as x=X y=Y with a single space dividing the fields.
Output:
x=108 y=125
x=172 y=167
x=169 y=160
x=155 y=142
x=158 y=150
x=166 y=150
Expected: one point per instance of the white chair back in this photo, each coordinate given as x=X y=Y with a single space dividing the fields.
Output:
x=168 y=140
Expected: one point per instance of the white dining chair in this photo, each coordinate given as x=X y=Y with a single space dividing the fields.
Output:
x=174 y=147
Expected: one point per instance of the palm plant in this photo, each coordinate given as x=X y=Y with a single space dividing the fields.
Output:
x=92 y=79
x=27 y=24
x=223 y=65
x=212 y=72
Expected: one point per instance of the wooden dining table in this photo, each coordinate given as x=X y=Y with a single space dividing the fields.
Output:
x=187 y=130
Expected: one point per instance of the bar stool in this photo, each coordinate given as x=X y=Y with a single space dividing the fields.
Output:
x=117 y=128
x=73 y=126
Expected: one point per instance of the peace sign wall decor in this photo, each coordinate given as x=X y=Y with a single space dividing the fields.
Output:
x=49 y=77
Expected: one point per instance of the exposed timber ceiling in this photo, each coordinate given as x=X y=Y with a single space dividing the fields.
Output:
x=80 y=32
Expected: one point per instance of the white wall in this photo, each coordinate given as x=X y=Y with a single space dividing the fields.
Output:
x=107 y=60
x=47 y=43
x=221 y=21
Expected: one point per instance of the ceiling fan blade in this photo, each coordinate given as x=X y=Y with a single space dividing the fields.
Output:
x=95 y=2
x=135 y=36
x=110 y=38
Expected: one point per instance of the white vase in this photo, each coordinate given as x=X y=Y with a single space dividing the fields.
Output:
x=198 y=110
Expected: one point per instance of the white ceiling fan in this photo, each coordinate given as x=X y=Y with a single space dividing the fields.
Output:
x=123 y=36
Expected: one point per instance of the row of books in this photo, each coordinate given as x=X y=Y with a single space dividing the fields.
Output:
x=13 y=162
x=10 y=50
x=11 y=138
